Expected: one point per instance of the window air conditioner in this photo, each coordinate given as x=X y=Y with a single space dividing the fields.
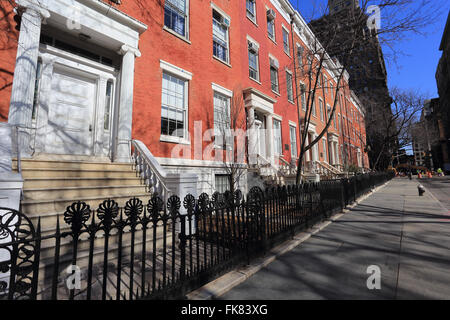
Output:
x=252 y=47
x=271 y=14
x=225 y=22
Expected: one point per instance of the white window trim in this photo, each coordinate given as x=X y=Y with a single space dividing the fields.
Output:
x=218 y=88
x=321 y=111
x=221 y=12
x=293 y=125
x=186 y=25
x=229 y=94
x=292 y=85
x=274 y=28
x=289 y=44
x=278 y=118
x=177 y=71
x=250 y=39
x=251 y=19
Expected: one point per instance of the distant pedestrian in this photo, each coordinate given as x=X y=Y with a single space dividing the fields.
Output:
x=440 y=172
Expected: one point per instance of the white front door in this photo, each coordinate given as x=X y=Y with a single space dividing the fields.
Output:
x=71 y=112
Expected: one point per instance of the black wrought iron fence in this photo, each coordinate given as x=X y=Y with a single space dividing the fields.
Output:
x=158 y=250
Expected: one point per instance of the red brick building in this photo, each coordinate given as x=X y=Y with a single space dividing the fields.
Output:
x=99 y=75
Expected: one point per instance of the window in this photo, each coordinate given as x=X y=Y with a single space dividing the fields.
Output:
x=173 y=106
x=313 y=106
x=290 y=92
x=271 y=24
x=220 y=36
x=325 y=84
x=339 y=122
x=286 y=41
x=274 y=75
x=293 y=134
x=175 y=16
x=222 y=182
x=321 y=110
x=303 y=96
x=222 y=122
x=253 y=61
x=300 y=58
x=278 y=148
x=108 y=104
x=331 y=90
x=251 y=10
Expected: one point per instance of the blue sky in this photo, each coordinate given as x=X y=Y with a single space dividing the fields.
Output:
x=415 y=67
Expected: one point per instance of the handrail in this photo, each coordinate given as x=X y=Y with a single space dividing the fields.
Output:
x=330 y=168
x=149 y=168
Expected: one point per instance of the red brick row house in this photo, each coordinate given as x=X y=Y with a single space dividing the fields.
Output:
x=91 y=81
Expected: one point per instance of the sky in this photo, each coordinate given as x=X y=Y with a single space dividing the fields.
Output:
x=418 y=55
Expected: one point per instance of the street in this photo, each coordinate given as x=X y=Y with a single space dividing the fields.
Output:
x=405 y=235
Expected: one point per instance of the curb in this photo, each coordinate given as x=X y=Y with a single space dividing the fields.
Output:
x=223 y=284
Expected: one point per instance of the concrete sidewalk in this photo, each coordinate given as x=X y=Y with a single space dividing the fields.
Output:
x=407 y=236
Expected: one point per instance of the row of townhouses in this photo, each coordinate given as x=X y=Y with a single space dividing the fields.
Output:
x=100 y=86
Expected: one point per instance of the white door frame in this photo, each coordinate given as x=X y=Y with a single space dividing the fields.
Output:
x=102 y=141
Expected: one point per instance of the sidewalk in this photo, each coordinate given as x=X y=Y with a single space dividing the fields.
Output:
x=407 y=236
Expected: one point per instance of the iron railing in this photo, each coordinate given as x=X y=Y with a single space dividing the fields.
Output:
x=159 y=250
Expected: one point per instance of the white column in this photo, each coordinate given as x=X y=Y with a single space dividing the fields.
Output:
x=100 y=125
x=25 y=74
x=44 y=103
x=123 y=146
x=270 y=152
x=307 y=143
x=315 y=155
x=332 y=154
x=252 y=136
x=336 y=150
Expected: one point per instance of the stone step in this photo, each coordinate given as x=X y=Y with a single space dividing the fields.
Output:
x=77 y=173
x=66 y=164
x=33 y=183
x=38 y=207
x=82 y=192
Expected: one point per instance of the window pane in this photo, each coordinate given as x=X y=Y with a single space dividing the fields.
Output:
x=175 y=15
x=274 y=79
x=250 y=4
x=286 y=41
x=222 y=182
x=289 y=86
x=271 y=28
x=172 y=105
x=293 y=142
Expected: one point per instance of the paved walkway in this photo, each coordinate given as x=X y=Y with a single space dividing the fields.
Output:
x=407 y=236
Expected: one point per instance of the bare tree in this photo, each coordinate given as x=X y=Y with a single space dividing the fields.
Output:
x=230 y=136
x=395 y=128
x=351 y=37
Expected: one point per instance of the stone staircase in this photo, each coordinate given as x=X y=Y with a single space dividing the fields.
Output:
x=50 y=186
